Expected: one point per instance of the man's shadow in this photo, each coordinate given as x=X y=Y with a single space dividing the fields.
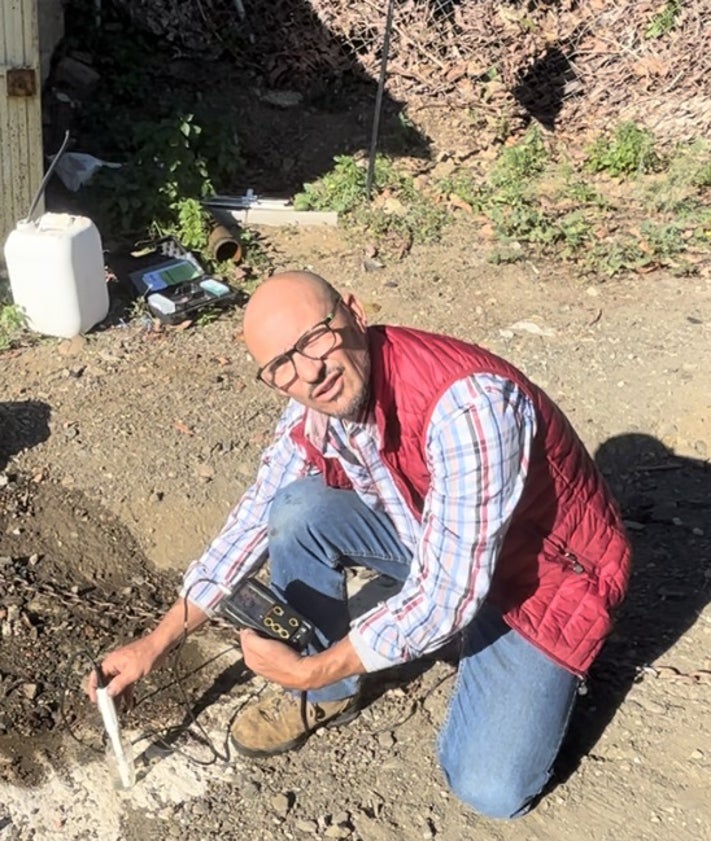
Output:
x=23 y=424
x=665 y=501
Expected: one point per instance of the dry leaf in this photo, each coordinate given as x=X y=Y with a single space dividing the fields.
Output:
x=456 y=72
x=182 y=326
x=459 y=203
x=648 y=268
x=650 y=66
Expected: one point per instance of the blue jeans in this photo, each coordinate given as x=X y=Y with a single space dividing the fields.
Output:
x=511 y=704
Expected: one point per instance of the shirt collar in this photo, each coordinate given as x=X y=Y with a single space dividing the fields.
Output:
x=317 y=425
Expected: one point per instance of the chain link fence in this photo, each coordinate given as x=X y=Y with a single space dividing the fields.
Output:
x=568 y=64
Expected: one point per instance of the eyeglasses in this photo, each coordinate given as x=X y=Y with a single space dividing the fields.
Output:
x=315 y=343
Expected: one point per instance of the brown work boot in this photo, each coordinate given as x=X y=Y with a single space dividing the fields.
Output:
x=282 y=721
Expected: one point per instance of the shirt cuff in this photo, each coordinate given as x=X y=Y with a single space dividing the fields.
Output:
x=371 y=660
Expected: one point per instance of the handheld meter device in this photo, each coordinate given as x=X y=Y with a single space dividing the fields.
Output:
x=252 y=605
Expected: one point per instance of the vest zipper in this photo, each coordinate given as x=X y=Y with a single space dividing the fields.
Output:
x=570 y=559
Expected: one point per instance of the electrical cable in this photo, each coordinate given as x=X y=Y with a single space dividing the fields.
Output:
x=202 y=737
x=64 y=684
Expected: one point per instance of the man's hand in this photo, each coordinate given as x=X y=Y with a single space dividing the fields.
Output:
x=124 y=666
x=277 y=662
x=272 y=659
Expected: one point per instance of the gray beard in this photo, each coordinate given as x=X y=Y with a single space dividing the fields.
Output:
x=353 y=410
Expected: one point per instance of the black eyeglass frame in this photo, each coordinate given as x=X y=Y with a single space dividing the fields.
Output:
x=289 y=353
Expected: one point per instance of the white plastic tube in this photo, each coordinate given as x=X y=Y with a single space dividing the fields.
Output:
x=118 y=754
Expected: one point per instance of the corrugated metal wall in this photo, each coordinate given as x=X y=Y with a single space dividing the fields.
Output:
x=21 y=166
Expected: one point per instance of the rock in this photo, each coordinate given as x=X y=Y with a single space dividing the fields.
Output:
x=205 y=472
x=30 y=691
x=281 y=803
x=307 y=827
x=76 y=75
x=72 y=347
x=386 y=740
x=282 y=99
x=532 y=327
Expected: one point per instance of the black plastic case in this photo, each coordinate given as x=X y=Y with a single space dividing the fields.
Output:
x=172 y=281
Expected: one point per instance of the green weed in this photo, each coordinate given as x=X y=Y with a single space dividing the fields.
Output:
x=581 y=191
x=170 y=164
x=665 y=240
x=629 y=150
x=519 y=163
x=466 y=186
x=612 y=256
x=174 y=146
x=342 y=189
x=680 y=189
x=504 y=256
x=664 y=21
x=255 y=255
x=575 y=229
x=191 y=225
x=398 y=214
x=12 y=324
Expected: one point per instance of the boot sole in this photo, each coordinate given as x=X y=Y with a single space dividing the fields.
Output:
x=344 y=718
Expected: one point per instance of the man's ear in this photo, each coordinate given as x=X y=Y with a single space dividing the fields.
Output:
x=356 y=309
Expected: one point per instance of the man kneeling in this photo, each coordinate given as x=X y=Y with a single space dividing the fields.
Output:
x=439 y=464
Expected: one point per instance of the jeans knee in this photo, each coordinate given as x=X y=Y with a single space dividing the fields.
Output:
x=293 y=509
x=502 y=796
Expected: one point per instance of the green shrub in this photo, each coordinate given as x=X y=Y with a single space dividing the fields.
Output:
x=12 y=323
x=628 y=150
x=521 y=162
x=664 y=21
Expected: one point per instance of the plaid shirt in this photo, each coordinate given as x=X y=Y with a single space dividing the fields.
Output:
x=477 y=449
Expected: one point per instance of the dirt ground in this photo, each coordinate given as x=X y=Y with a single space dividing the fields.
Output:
x=122 y=453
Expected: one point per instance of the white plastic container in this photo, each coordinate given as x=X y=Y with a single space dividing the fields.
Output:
x=56 y=269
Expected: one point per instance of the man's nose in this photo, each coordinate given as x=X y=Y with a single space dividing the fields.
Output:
x=310 y=370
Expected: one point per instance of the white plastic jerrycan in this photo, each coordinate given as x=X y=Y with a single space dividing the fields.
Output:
x=56 y=269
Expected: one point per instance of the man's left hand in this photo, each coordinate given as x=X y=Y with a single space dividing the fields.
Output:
x=273 y=660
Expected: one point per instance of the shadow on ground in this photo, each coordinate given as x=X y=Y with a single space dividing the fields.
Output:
x=665 y=500
x=23 y=424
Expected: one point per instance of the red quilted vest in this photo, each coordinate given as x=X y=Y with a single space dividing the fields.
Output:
x=565 y=561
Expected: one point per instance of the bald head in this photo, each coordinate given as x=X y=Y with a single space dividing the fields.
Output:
x=331 y=371
x=283 y=307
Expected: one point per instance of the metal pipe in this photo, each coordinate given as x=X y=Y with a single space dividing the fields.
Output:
x=379 y=101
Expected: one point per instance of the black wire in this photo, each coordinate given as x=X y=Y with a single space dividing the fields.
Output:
x=178 y=682
x=63 y=689
x=94 y=660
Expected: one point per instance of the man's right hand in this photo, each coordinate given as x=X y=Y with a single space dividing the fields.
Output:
x=124 y=666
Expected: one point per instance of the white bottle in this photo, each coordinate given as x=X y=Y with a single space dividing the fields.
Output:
x=56 y=269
